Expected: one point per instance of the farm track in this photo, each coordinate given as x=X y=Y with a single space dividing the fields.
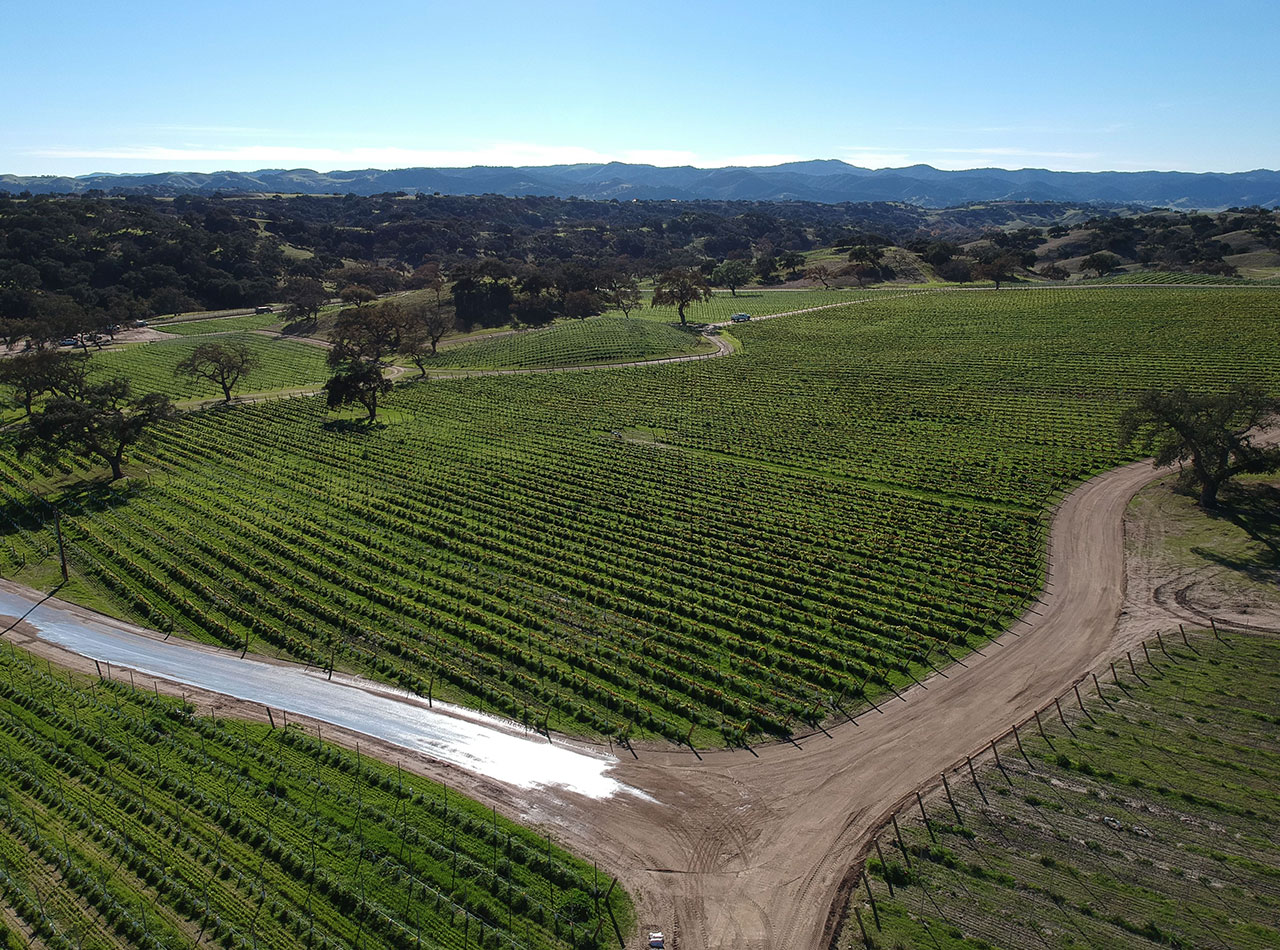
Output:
x=750 y=848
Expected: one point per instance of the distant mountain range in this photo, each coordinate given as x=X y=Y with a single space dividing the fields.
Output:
x=827 y=181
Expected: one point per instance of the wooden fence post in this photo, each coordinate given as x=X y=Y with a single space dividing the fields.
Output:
x=1076 y=687
x=901 y=844
x=885 y=865
x=947 y=786
x=875 y=913
x=928 y=826
x=999 y=764
x=976 y=783
x=1018 y=739
x=1098 y=687
x=866 y=941
x=1064 y=718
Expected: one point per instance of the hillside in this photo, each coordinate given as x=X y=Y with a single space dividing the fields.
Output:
x=828 y=181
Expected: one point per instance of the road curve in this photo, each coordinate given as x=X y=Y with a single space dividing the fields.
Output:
x=748 y=849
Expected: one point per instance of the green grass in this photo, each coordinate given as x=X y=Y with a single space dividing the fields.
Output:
x=1153 y=825
x=581 y=342
x=709 y=551
x=249 y=321
x=1234 y=555
x=127 y=820
x=282 y=365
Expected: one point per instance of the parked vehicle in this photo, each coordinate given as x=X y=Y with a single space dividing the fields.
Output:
x=740 y=317
x=656 y=940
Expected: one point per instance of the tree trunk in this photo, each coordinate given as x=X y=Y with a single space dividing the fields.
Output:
x=680 y=310
x=117 y=460
x=1208 y=496
x=226 y=392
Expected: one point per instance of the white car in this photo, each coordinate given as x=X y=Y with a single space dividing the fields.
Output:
x=656 y=940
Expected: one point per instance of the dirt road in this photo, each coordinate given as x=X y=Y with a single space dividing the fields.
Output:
x=748 y=850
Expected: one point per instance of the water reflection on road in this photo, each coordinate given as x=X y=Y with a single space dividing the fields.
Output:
x=485 y=746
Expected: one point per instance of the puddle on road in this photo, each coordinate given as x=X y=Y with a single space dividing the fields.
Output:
x=467 y=741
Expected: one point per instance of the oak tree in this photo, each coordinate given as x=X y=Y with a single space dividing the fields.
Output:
x=101 y=421
x=224 y=364
x=1214 y=434
x=678 y=288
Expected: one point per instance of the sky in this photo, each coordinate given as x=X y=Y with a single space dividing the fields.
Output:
x=139 y=86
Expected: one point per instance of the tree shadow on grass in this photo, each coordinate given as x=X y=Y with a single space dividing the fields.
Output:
x=352 y=426
x=87 y=497
x=1255 y=510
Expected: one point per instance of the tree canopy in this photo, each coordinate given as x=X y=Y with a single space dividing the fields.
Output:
x=224 y=364
x=1215 y=434
x=100 y=421
x=732 y=274
x=678 y=288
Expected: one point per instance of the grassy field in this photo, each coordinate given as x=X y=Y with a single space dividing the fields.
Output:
x=128 y=821
x=1234 y=556
x=704 y=552
x=1150 y=822
x=249 y=321
x=582 y=342
x=282 y=364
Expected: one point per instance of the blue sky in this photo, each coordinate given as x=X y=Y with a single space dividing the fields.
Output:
x=147 y=86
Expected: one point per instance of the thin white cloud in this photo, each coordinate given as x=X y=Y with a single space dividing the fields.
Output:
x=1018 y=153
x=245 y=157
x=215 y=129
x=259 y=156
x=764 y=159
x=664 y=158
x=955 y=159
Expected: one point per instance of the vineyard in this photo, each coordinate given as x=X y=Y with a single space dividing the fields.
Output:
x=128 y=821
x=704 y=552
x=757 y=303
x=1149 y=820
x=237 y=324
x=598 y=340
x=150 y=367
x=1177 y=278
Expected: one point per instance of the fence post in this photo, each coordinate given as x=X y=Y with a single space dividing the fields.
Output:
x=947 y=786
x=901 y=844
x=976 y=783
x=1018 y=739
x=923 y=814
x=999 y=764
